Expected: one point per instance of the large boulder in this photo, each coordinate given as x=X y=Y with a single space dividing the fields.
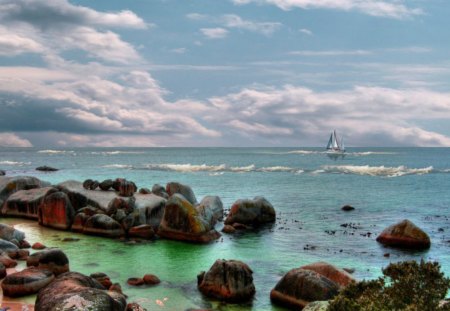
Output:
x=151 y=209
x=54 y=260
x=26 y=282
x=103 y=225
x=299 y=287
x=183 y=222
x=80 y=197
x=25 y=203
x=56 y=211
x=251 y=212
x=229 y=280
x=211 y=208
x=75 y=291
x=9 y=185
x=340 y=277
x=186 y=191
x=8 y=233
x=8 y=247
x=405 y=234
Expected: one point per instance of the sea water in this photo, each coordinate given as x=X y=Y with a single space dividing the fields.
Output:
x=306 y=186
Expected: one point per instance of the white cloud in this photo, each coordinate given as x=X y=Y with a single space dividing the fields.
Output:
x=235 y=21
x=214 y=33
x=306 y=31
x=12 y=140
x=388 y=8
x=331 y=53
x=54 y=26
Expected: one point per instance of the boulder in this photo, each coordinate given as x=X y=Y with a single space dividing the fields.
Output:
x=7 y=247
x=38 y=246
x=229 y=280
x=145 y=191
x=340 y=277
x=56 y=211
x=251 y=212
x=299 y=287
x=19 y=254
x=2 y=271
x=182 y=221
x=151 y=279
x=127 y=204
x=211 y=208
x=127 y=188
x=54 y=260
x=228 y=229
x=25 y=203
x=106 y=184
x=46 y=168
x=24 y=244
x=87 y=184
x=142 y=231
x=80 y=197
x=26 y=282
x=7 y=261
x=102 y=278
x=79 y=221
x=160 y=191
x=9 y=185
x=151 y=209
x=133 y=306
x=8 y=233
x=186 y=191
x=135 y=281
x=116 y=183
x=75 y=291
x=317 y=306
x=405 y=234
x=2 y=173
x=347 y=208
x=103 y=225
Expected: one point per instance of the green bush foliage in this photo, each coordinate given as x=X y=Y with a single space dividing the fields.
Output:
x=405 y=286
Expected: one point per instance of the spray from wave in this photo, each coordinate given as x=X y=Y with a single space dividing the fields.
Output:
x=14 y=163
x=115 y=152
x=51 y=151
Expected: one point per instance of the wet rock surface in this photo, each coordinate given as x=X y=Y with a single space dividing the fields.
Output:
x=404 y=234
x=26 y=282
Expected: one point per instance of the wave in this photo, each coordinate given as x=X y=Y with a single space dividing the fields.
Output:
x=51 y=151
x=117 y=152
x=375 y=170
x=14 y=163
x=125 y=166
x=312 y=152
x=218 y=168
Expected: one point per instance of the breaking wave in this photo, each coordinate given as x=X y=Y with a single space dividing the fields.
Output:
x=218 y=168
x=375 y=170
x=14 y=163
x=51 y=151
x=310 y=152
x=116 y=152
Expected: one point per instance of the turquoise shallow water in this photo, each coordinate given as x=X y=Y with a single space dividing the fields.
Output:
x=306 y=187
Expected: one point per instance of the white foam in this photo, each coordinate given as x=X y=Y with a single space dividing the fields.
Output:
x=125 y=166
x=51 y=151
x=377 y=170
x=276 y=169
x=117 y=152
x=243 y=169
x=187 y=167
x=14 y=163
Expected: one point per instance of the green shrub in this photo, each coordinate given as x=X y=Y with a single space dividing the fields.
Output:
x=405 y=286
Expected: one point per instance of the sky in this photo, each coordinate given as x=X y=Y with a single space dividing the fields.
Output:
x=157 y=73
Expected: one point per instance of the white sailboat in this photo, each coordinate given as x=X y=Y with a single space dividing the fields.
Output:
x=334 y=144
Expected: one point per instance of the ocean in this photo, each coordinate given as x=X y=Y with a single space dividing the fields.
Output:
x=306 y=187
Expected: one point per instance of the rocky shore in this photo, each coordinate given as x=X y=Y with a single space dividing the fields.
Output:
x=118 y=209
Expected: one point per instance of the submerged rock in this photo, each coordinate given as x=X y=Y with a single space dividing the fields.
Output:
x=340 y=277
x=186 y=191
x=299 y=287
x=405 y=234
x=151 y=279
x=75 y=291
x=183 y=222
x=229 y=280
x=347 y=208
x=251 y=212
x=26 y=282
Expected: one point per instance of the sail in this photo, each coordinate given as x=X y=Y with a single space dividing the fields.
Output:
x=335 y=141
x=330 y=142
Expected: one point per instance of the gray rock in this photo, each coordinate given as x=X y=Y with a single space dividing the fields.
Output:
x=184 y=190
x=8 y=233
x=211 y=208
x=25 y=203
x=9 y=185
x=251 y=212
x=103 y=225
x=160 y=191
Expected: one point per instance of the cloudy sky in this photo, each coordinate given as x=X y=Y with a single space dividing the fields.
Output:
x=224 y=72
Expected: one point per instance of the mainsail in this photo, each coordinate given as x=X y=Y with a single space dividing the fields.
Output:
x=333 y=143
